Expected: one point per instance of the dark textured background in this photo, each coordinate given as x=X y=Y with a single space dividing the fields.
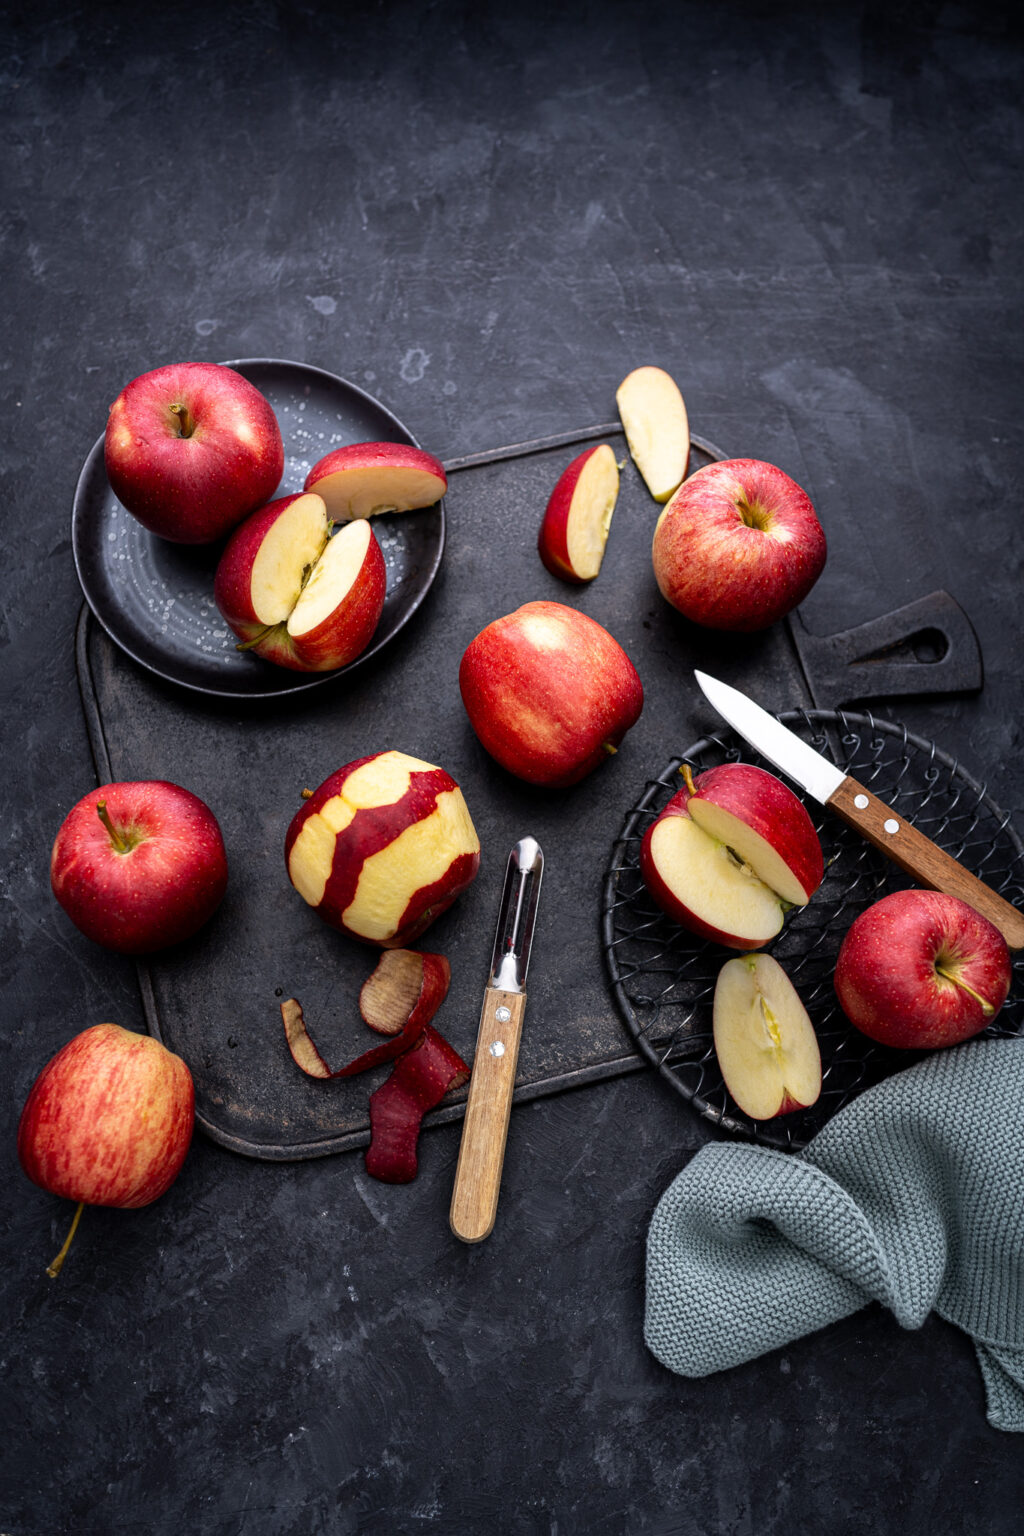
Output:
x=486 y=218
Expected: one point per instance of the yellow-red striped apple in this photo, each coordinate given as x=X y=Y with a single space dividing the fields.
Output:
x=383 y=847
x=549 y=692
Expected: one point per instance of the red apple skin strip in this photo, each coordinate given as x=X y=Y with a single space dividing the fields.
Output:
x=399 y=1000
x=418 y=1083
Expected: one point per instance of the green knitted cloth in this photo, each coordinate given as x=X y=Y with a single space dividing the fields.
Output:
x=913 y=1195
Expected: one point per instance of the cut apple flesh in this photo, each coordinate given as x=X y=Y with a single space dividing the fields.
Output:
x=294 y=543
x=590 y=512
x=657 y=430
x=765 y=1043
x=331 y=578
x=707 y=879
x=750 y=847
x=368 y=490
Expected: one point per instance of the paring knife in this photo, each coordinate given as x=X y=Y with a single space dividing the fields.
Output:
x=914 y=853
x=485 y=1129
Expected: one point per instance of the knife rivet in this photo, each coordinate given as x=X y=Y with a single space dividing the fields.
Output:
x=497 y=1048
x=861 y=802
x=502 y=1015
x=891 y=825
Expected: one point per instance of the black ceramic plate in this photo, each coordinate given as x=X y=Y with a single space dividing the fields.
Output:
x=155 y=599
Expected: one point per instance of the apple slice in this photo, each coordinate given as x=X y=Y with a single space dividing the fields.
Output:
x=365 y=479
x=766 y=1046
x=730 y=854
x=657 y=430
x=575 y=528
x=296 y=596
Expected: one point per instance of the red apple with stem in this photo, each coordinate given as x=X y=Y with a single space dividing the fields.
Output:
x=738 y=546
x=365 y=479
x=191 y=449
x=578 y=516
x=549 y=692
x=296 y=596
x=108 y=1122
x=730 y=854
x=921 y=970
x=138 y=866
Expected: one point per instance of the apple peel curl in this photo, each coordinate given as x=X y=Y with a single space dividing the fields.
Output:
x=398 y=1000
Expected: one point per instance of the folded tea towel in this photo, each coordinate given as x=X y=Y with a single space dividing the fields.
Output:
x=913 y=1195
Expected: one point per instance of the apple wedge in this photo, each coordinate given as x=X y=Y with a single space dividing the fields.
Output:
x=578 y=517
x=766 y=1046
x=657 y=430
x=730 y=854
x=365 y=479
x=296 y=596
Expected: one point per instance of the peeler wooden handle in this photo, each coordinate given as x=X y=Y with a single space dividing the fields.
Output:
x=485 y=1129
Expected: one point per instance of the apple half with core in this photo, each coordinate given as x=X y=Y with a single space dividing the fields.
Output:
x=365 y=479
x=738 y=546
x=549 y=693
x=191 y=449
x=296 y=596
x=919 y=970
x=575 y=528
x=654 y=419
x=765 y=1042
x=107 y=1122
x=382 y=848
x=138 y=866
x=730 y=854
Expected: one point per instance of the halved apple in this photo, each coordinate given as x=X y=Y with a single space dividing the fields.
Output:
x=579 y=514
x=730 y=854
x=765 y=1043
x=296 y=596
x=364 y=479
x=657 y=430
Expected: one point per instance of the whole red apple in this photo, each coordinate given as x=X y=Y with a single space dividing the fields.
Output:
x=738 y=546
x=191 y=449
x=139 y=866
x=108 y=1121
x=549 y=692
x=920 y=969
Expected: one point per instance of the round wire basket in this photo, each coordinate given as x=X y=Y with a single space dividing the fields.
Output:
x=664 y=978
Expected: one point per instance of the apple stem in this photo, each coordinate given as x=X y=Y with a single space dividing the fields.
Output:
x=119 y=841
x=248 y=645
x=185 y=423
x=687 y=774
x=54 y=1269
x=609 y=748
x=307 y=794
x=986 y=1007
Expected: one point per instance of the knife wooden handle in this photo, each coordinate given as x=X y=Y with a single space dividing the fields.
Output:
x=917 y=855
x=482 y=1150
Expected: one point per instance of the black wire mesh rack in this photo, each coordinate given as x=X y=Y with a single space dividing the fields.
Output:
x=664 y=978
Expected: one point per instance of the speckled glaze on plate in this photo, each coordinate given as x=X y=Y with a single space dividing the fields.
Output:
x=155 y=599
